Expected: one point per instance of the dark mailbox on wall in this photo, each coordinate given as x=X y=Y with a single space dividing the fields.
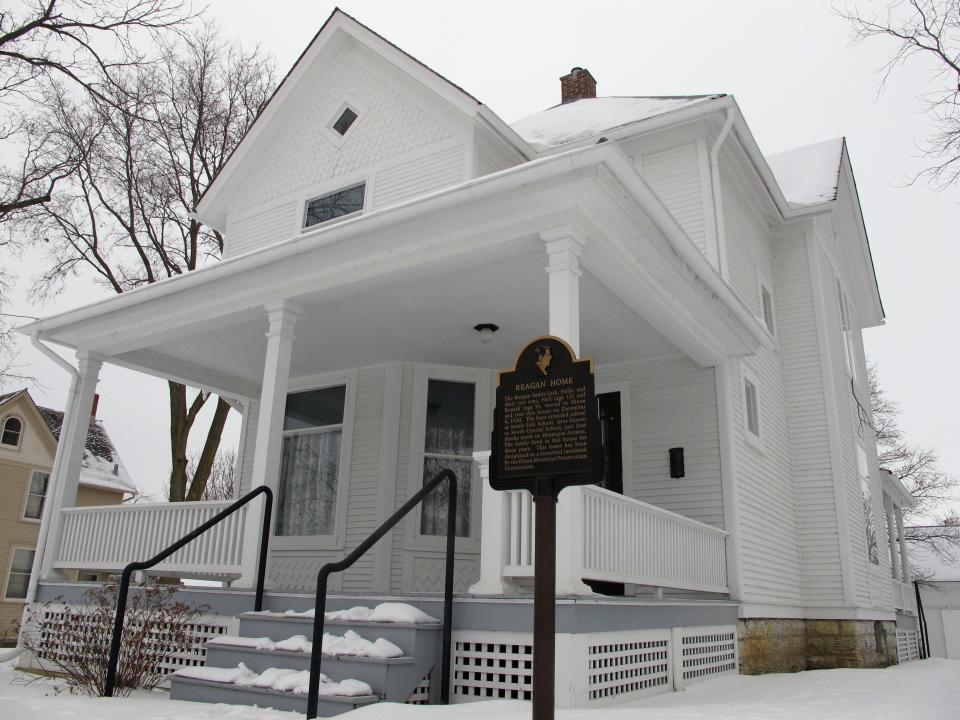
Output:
x=546 y=428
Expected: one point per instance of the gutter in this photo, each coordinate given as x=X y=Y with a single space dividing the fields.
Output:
x=720 y=233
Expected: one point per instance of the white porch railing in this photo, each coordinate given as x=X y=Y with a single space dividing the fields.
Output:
x=107 y=538
x=904 y=596
x=607 y=536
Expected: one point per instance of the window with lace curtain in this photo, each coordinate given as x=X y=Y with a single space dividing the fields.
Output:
x=310 y=465
x=448 y=443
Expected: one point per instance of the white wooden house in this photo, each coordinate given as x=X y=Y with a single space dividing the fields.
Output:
x=374 y=215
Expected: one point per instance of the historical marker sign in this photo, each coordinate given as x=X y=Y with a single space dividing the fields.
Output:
x=545 y=423
x=546 y=436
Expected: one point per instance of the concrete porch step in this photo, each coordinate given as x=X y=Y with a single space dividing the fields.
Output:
x=392 y=678
x=196 y=690
x=411 y=637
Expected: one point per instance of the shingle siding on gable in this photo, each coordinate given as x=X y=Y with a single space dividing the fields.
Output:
x=400 y=148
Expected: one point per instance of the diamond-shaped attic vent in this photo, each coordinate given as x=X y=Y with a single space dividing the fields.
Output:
x=345 y=120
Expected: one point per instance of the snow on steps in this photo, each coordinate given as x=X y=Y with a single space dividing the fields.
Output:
x=406 y=649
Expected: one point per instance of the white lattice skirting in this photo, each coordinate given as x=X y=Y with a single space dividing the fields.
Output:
x=908 y=645
x=201 y=630
x=593 y=669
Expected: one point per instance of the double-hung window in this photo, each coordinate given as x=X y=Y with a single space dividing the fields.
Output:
x=310 y=466
x=36 y=493
x=10 y=434
x=846 y=329
x=21 y=565
x=869 y=521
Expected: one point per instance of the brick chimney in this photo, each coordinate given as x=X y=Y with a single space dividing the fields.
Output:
x=579 y=83
x=96 y=402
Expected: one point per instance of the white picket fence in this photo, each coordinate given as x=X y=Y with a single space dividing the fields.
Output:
x=108 y=538
x=615 y=538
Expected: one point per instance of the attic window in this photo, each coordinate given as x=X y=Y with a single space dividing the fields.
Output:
x=11 y=432
x=334 y=205
x=345 y=120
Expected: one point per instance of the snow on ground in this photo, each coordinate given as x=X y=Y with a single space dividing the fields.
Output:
x=928 y=689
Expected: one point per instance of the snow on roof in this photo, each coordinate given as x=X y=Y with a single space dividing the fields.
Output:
x=929 y=566
x=101 y=466
x=808 y=175
x=590 y=117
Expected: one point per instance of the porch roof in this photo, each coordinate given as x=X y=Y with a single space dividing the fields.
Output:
x=636 y=252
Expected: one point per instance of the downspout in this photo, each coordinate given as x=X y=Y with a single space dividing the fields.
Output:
x=719 y=234
x=45 y=515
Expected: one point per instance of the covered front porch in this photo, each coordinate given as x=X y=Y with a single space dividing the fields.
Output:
x=353 y=346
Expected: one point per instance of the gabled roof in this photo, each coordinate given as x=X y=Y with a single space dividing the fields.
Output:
x=248 y=150
x=101 y=466
x=809 y=175
x=591 y=117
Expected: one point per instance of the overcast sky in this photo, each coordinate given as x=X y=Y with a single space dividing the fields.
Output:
x=793 y=72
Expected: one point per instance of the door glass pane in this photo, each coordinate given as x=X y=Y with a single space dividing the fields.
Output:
x=449 y=418
x=308 y=484
x=433 y=519
x=448 y=443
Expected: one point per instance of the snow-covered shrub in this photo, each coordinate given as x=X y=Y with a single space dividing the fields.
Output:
x=74 y=641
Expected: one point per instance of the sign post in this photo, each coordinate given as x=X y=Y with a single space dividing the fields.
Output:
x=546 y=436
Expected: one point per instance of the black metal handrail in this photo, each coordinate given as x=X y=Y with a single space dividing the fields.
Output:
x=124 y=588
x=316 y=652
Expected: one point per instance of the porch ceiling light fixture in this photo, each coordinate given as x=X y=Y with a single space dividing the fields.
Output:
x=486 y=331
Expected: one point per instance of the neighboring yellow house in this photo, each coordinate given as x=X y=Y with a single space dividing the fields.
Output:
x=28 y=443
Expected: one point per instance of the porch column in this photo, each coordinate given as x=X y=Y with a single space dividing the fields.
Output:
x=494 y=529
x=65 y=475
x=282 y=316
x=564 y=246
x=891 y=536
x=904 y=560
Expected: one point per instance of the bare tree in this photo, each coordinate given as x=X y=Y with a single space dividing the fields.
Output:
x=221 y=485
x=123 y=215
x=80 y=44
x=926 y=32
x=917 y=468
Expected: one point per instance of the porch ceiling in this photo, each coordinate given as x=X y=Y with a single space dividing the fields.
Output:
x=410 y=281
x=428 y=321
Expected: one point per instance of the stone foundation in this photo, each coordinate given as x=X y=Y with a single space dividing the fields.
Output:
x=787 y=645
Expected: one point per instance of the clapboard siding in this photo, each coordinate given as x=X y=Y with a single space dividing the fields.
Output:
x=403 y=467
x=674 y=175
x=807 y=416
x=672 y=403
x=770 y=548
x=364 y=474
x=248 y=447
x=260 y=229
x=418 y=176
